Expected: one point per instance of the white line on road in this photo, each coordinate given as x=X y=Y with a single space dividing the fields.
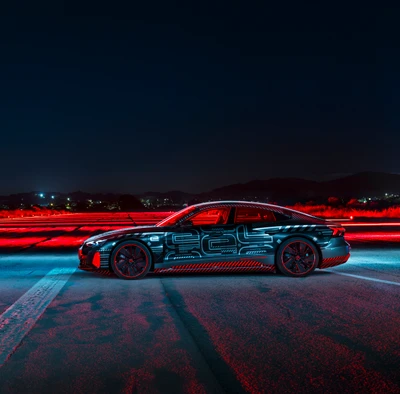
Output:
x=365 y=278
x=19 y=318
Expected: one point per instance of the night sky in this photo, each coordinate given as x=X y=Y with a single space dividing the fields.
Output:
x=110 y=97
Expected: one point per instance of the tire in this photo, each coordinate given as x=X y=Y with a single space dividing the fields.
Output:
x=297 y=257
x=130 y=260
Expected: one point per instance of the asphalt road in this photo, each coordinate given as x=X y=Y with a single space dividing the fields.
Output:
x=68 y=331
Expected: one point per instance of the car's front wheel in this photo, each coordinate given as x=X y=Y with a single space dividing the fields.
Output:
x=297 y=257
x=130 y=260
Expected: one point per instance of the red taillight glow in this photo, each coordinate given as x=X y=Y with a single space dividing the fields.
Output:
x=337 y=231
x=96 y=260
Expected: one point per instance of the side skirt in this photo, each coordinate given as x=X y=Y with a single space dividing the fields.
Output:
x=261 y=264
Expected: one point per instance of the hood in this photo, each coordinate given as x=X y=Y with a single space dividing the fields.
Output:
x=122 y=231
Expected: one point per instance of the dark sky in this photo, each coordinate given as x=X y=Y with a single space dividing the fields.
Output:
x=111 y=97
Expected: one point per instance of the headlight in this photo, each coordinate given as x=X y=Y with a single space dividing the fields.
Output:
x=96 y=243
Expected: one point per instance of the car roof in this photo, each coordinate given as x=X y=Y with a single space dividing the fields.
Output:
x=237 y=203
x=256 y=204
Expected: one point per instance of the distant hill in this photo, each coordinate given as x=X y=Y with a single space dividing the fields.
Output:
x=173 y=194
x=290 y=190
x=363 y=184
x=281 y=190
x=274 y=189
x=80 y=201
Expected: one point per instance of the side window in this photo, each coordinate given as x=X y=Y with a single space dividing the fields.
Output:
x=210 y=216
x=248 y=215
x=279 y=217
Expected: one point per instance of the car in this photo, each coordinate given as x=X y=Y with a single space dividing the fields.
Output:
x=220 y=236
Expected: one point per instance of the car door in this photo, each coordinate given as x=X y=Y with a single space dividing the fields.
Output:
x=252 y=231
x=218 y=235
x=207 y=235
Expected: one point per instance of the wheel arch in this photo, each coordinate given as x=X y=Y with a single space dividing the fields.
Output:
x=305 y=236
x=138 y=240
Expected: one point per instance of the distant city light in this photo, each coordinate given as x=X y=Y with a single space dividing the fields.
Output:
x=41 y=195
x=68 y=199
x=52 y=197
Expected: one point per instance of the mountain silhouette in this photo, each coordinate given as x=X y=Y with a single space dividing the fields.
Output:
x=363 y=184
x=280 y=190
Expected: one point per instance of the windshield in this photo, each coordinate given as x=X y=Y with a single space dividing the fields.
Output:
x=175 y=217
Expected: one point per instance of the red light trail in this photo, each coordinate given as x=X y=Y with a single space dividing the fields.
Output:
x=70 y=230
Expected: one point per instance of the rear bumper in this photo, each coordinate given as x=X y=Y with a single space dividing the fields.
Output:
x=335 y=253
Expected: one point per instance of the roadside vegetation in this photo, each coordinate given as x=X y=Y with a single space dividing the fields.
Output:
x=337 y=208
x=34 y=211
x=333 y=208
x=332 y=212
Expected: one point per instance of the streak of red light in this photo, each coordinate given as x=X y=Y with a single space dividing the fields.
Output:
x=357 y=224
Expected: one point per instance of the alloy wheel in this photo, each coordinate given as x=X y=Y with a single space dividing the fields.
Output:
x=298 y=258
x=131 y=260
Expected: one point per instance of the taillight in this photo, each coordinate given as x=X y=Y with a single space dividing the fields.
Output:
x=337 y=231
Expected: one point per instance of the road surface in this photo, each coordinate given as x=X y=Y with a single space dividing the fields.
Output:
x=68 y=331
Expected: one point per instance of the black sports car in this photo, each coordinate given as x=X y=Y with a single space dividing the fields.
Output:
x=220 y=236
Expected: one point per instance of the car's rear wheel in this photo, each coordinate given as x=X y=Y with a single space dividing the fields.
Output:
x=131 y=260
x=297 y=257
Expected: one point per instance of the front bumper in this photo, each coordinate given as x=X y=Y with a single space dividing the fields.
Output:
x=89 y=259
x=335 y=253
x=93 y=258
